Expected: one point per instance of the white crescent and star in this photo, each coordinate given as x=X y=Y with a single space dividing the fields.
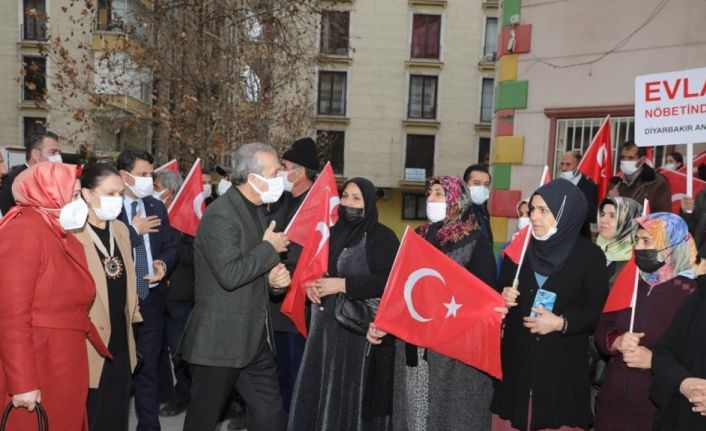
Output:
x=451 y=307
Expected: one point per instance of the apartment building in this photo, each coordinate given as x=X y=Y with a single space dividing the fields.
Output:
x=29 y=99
x=563 y=66
x=404 y=91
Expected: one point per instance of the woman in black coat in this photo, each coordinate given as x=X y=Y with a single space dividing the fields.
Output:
x=679 y=366
x=340 y=387
x=544 y=358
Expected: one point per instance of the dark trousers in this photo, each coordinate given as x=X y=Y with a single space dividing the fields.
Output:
x=290 y=349
x=178 y=312
x=148 y=337
x=256 y=383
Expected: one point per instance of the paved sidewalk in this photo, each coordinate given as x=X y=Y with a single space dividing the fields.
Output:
x=169 y=424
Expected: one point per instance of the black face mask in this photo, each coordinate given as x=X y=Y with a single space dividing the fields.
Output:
x=648 y=261
x=351 y=215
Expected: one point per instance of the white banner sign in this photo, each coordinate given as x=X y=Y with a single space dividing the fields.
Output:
x=670 y=108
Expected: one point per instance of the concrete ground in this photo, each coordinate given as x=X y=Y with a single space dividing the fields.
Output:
x=175 y=423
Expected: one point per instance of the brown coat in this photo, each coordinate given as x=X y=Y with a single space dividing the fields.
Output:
x=99 y=314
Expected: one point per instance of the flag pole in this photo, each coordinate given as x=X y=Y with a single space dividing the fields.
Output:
x=525 y=243
x=197 y=162
x=633 y=301
x=690 y=171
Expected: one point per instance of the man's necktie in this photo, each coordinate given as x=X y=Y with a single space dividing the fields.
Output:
x=141 y=268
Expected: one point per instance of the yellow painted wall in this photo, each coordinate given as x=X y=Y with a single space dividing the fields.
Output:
x=390 y=213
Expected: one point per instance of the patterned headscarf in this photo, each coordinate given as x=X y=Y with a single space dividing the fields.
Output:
x=672 y=238
x=458 y=222
x=619 y=248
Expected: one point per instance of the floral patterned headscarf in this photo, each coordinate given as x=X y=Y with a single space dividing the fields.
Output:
x=671 y=237
x=459 y=222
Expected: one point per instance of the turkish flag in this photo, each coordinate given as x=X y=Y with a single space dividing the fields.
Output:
x=171 y=165
x=620 y=296
x=310 y=228
x=597 y=163
x=323 y=196
x=701 y=158
x=312 y=264
x=431 y=301
x=188 y=206
x=513 y=251
x=677 y=181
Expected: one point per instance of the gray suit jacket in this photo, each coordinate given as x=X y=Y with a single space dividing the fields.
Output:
x=231 y=316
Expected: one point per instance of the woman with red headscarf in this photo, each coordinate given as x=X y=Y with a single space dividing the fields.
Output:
x=46 y=292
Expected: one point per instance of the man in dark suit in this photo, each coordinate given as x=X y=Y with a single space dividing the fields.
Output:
x=154 y=253
x=42 y=147
x=569 y=171
x=228 y=338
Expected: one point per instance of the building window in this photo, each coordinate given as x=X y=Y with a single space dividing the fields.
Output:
x=32 y=126
x=484 y=151
x=490 y=46
x=422 y=97
x=426 y=36
x=334 y=32
x=332 y=93
x=331 y=145
x=420 y=153
x=34 y=23
x=414 y=206
x=577 y=133
x=34 y=84
x=486 y=100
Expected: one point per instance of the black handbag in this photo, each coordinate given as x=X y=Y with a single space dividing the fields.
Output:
x=42 y=419
x=355 y=314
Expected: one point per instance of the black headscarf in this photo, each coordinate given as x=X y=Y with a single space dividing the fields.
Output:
x=547 y=256
x=344 y=234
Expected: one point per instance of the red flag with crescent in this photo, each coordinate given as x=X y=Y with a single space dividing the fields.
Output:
x=432 y=301
x=310 y=228
x=188 y=206
x=597 y=163
x=323 y=196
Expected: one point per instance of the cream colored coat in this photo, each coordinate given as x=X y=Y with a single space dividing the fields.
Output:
x=100 y=314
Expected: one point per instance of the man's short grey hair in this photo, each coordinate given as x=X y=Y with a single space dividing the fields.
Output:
x=245 y=162
x=170 y=179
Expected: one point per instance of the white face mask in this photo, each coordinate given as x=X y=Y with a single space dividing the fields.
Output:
x=223 y=186
x=550 y=233
x=670 y=166
x=568 y=175
x=628 y=167
x=73 y=215
x=143 y=186
x=436 y=211
x=110 y=208
x=159 y=195
x=275 y=188
x=479 y=194
x=288 y=185
x=56 y=158
x=522 y=222
x=207 y=190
